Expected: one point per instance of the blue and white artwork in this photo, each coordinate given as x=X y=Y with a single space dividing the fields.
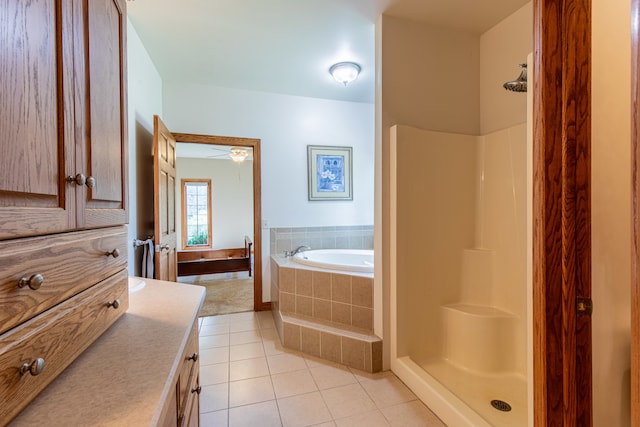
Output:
x=330 y=173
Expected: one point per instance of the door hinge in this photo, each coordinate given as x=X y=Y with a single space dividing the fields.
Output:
x=585 y=306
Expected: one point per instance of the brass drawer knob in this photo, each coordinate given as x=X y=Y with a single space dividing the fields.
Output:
x=34 y=282
x=80 y=179
x=34 y=368
x=193 y=357
x=196 y=390
x=115 y=304
x=114 y=253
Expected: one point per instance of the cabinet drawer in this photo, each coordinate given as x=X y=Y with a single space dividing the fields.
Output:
x=188 y=381
x=57 y=337
x=68 y=263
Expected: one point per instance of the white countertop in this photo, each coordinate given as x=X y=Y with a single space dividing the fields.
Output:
x=125 y=376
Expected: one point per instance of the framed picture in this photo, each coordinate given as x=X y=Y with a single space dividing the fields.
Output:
x=330 y=174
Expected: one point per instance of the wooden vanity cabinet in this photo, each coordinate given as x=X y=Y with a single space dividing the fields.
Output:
x=63 y=186
x=182 y=408
x=63 y=116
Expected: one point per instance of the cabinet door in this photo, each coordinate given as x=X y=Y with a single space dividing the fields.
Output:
x=101 y=131
x=36 y=128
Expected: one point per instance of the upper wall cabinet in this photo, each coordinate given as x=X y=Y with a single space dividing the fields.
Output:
x=62 y=124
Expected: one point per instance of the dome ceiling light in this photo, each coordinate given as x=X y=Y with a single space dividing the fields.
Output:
x=345 y=72
x=238 y=154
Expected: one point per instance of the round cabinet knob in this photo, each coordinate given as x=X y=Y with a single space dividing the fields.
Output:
x=193 y=357
x=115 y=304
x=34 y=368
x=114 y=253
x=91 y=182
x=196 y=390
x=34 y=282
x=79 y=179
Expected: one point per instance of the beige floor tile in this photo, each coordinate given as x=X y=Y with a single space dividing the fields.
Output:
x=263 y=414
x=246 y=325
x=212 y=356
x=347 y=400
x=241 y=317
x=265 y=318
x=369 y=419
x=246 y=351
x=388 y=391
x=248 y=368
x=216 y=329
x=271 y=342
x=253 y=390
x=245 y=337
x=213 y=341
x=332 y=376
x=214 y=398
x=215 y=320
x=293 y=383
x=411 y=414
x=314 y=361
x=217 y=418
x=327 y=424
x=285 y=362
x=366 y=376
x=214 y=374
x=303 y=410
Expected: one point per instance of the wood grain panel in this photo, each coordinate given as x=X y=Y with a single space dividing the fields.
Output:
x=164 y=201
x=58 y=337
x=36 y=118
x=59 y=259
x=101 y=125
x=561 y=234
x=635 y=215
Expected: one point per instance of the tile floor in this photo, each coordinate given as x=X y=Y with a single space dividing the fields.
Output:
x=248 y=379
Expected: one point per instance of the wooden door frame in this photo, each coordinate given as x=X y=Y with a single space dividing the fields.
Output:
x=562 y=392
x=635 y=215
x=258 y=304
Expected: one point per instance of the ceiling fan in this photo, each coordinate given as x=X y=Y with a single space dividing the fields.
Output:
x=237 y=154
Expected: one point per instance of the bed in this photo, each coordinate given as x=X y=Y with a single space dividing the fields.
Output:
x=209 y=261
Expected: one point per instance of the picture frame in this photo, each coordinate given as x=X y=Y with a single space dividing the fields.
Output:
x=330 y=172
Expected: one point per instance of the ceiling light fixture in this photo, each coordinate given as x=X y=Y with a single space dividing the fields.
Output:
x=238 y=154
x=345 y=72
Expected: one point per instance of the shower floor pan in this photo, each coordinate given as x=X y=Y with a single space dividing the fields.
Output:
x=453 y=392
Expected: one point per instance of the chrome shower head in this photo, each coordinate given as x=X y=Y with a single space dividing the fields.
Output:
x=520 y=84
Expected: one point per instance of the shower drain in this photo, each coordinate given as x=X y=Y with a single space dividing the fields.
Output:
x=501 y=405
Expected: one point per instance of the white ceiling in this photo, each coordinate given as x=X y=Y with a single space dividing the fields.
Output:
x=287 y=46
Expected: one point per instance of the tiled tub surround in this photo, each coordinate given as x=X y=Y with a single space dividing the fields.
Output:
x=327 y=314
x=336 y=237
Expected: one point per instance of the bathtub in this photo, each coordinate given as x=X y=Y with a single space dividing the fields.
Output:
x=356 y=260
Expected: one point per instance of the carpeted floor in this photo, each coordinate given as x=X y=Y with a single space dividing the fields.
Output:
x=226 y=292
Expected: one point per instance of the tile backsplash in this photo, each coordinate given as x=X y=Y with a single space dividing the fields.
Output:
x=335 y=237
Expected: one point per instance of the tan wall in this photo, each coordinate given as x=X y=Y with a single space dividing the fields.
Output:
x=611 y=210
x=502 y=48
x=434 y=187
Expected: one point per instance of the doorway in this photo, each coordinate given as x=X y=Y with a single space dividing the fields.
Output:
x=256 y=238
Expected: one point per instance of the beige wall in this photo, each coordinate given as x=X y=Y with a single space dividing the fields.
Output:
x=231 y=198
x=502 y=48
x=434 y=187
x=610 y=209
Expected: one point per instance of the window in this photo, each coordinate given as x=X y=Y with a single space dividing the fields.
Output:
x=196 y=213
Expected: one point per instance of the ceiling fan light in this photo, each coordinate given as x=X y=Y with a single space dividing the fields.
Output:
x=345 y=72
x=238 y=154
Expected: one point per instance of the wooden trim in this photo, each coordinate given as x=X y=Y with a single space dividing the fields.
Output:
x=254 y=143
x=561 y=222
x=183 y=210
x=635 y=215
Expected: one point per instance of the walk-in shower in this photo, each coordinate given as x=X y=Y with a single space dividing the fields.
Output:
x=460 y=267
x=519 y=84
